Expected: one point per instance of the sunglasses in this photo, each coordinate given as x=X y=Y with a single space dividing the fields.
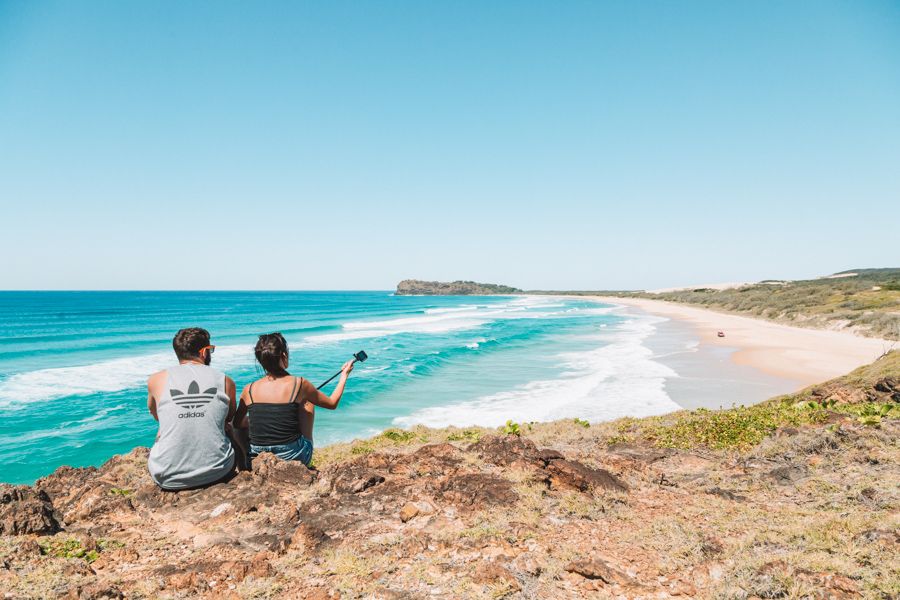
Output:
x=209 y=349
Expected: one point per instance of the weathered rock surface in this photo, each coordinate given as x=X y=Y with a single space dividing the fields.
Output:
x=505 y=516
x=24 y=510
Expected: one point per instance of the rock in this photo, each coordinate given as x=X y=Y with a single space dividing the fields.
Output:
x=354 y=477
x=881 y=536
x=788 y=474
x=527 y=563
x=26 y=510
x=566 y=473
x=183 y=580
x=889 y=386
x=95 y=591
x=505 y=450
x=271 y=469
x=596 y=568
x=638 y=453
x=408 y=511
x=477 y=490
x=727 y=494
x=220 y=509
x=307 y=538
x=492 y=573
x=830 y=586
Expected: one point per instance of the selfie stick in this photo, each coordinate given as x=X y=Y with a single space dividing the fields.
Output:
x=360 y=356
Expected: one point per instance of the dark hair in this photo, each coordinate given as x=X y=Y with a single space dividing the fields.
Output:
x=187 y=342
x=269 y=350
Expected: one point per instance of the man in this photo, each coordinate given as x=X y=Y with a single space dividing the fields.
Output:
x=193 y=403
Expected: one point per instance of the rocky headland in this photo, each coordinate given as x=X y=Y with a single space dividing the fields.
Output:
x=796 y=497
x=415 y=287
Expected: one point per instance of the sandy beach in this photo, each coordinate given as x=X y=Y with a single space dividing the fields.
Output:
x=806 y=356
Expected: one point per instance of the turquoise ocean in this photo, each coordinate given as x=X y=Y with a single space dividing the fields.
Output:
x=73 y=365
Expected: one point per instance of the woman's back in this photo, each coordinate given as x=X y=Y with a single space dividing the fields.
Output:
x=274 y=410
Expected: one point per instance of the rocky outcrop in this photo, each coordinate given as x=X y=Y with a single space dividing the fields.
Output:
x=503 y=516
x=24 y=510
x=416 y=287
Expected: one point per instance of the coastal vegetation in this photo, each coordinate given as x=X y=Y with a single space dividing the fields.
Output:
x=791 y=498
x=865 y=301
x=415 y=287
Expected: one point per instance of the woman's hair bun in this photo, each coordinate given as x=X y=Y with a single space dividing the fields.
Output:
x=269 y=350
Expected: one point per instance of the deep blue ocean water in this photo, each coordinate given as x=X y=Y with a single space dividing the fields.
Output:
x=73 y=365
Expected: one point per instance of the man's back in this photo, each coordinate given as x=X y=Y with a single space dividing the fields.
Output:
x=192 y=448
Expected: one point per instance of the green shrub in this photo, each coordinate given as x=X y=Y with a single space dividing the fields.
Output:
x=398 y=435
x=466 y=435
x=66 y=548
x=511 y=428
x=739 y=428
x=582 y=423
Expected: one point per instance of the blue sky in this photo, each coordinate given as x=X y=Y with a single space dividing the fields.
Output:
x=347 y=145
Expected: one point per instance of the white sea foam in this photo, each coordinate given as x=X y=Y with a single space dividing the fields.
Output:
x=616 y=380
x=131 y=372
x=106 y=376
x=474 y=344
x=438 y=311
x=440 y=320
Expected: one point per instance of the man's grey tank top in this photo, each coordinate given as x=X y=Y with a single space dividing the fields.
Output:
x=192 y=449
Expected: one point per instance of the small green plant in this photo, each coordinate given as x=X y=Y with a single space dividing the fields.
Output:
x=66 y=548
x=872 y=414
x=398 y=436
x=511 y=428
x=582 y=423
x=362 y=447
x=466 y=435
x=120 y=492
x=827 y=404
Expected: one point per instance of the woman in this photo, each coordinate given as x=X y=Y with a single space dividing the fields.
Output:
x=279 y=408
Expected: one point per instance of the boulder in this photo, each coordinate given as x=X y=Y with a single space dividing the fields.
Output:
x=595 y=568
x=566 y=473
x=408 y=512
x=477 y=490
x=505 y=450
x=788 y=474
x=26 y=510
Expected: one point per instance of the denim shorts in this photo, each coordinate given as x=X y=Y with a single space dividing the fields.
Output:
x=301 y=449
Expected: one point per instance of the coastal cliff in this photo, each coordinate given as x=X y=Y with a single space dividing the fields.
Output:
x=794 y=497
x=415 y=287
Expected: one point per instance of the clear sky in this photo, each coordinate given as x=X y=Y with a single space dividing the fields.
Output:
x=347 y=145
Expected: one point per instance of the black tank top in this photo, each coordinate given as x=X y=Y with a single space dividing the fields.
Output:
x=274 y=424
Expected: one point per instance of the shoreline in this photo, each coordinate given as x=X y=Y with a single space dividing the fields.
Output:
x=805 y=356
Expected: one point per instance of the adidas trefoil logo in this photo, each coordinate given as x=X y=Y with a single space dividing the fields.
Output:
x=193 y=398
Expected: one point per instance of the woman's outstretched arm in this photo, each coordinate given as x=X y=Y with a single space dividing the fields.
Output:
x=310 y=394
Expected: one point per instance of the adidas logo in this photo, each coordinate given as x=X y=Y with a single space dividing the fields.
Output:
x=193 y=398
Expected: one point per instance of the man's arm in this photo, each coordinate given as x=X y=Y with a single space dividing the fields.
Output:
x=232 y=402
x=151 y=399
